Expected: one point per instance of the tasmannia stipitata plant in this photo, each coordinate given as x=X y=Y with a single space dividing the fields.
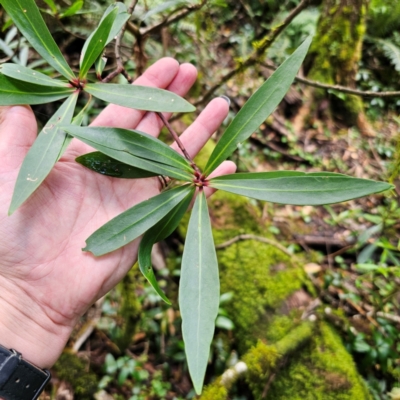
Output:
x=131 y=154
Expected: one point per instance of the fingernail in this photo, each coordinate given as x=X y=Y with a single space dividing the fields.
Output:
x=226 y=98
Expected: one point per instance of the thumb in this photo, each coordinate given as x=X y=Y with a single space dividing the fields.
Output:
x=18 y=130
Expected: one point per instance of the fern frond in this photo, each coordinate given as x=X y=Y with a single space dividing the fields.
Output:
x=391 y=51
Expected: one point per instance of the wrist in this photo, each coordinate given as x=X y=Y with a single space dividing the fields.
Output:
x=26 y=328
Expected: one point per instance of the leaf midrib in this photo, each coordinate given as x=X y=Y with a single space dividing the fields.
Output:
x=282 y=190
x=180 y=162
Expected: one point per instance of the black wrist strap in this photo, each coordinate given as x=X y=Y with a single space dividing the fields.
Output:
x=19 y=379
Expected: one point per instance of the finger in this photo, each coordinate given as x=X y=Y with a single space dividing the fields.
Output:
x=161 y=74
x=197 y=134
x=226 y=168
x=18 y=130
x=181 y=84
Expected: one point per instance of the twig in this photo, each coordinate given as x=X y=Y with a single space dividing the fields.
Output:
x=268 y=385
x=276 y=148
x=170 y=19
x=89 y=327
x=120 y=66
x=178 y=142
x=254 y=237
x=390 y=317
x=323 y=240
x=339 y=88
x=261 y=47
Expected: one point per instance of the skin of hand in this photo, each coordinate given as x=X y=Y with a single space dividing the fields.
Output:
x=46 y=281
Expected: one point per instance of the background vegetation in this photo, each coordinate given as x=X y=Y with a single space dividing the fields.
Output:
x=307 y=291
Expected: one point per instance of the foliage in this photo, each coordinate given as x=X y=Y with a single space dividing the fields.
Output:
x=141 y=156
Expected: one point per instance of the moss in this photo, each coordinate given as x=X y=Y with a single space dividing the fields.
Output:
x=323 y=370
x=214 y=391
x=262 y=360
x=336 y=50
x=74 y=370
x=130 y=308
x=261 y=278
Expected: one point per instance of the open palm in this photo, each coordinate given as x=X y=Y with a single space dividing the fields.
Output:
x=46 y=281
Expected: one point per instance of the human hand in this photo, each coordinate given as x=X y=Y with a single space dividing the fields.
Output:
x=46 y=281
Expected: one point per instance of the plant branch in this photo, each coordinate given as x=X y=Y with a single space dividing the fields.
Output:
x=171 y=18
x=254 y=237
x=178 y=142
x=260 y=48
x=118 y=42
x=339 y=88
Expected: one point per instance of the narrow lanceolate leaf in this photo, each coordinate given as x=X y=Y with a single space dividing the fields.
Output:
x=121 y=154
x=105 y=165
x=29 y=21
x=139 y=97
x=77 y=121
x=75 y=7
x=100 y=65
x=300 y=189
x=43 y=154
x=14 y=92
x=198 y=291
x=260 y=105
x=132 y=223
x=133 y=142
x=122 y=17
x=96 y=43
x=158 y=232
x=29 y=75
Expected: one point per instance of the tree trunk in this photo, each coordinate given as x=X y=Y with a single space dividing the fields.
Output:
x=335 y=54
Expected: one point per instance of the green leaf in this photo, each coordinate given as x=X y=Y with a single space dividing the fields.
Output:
x=52 y=5
x=75 y=7
x=77 y=120
x=122 y=17
x=199 y=291
x=13 y=92
x=105 y=165
x=43 y=154
x=158 y=232
x=257 y=109
x=132 y=223
x=100 y=65
x=25 y=74
x=137 y=143
x=300 y=189
x=29 y=21
x=139 y=97
x=118 y=149
x=96 y=43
